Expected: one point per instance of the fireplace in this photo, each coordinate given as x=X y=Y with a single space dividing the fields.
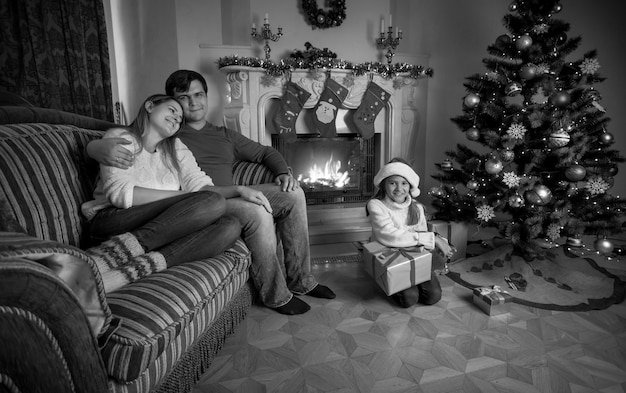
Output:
x=331 y=170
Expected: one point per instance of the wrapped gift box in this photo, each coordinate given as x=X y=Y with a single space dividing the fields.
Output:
x=492 y=300
x=455 y=232
x=396 y=269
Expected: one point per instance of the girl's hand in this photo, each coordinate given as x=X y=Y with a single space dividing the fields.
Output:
x=444 y=246
x=256 y=197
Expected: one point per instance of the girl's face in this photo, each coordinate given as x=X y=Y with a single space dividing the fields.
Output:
x=166 y=117
x=397 y=188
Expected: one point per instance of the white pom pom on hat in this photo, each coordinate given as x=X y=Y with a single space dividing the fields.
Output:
x=398 y=168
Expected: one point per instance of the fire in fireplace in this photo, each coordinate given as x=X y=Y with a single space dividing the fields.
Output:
x=331 y=170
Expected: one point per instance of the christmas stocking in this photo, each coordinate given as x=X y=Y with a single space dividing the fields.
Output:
x=330 y=101
x=290 y=106
x=374 y=100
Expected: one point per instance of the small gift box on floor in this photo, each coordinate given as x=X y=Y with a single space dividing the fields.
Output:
x=492 y=300
x=396 y=269
x=455 y=232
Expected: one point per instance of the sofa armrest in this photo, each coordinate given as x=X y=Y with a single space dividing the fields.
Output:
x=46 y=337
x=246 y=173
x=73 y=267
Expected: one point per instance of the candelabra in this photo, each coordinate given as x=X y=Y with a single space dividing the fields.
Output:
x=389 y=42
x=267 y=35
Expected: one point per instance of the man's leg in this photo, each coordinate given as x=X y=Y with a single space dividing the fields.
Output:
x=260 y=237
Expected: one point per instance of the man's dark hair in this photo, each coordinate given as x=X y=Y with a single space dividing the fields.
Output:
x=180 y=80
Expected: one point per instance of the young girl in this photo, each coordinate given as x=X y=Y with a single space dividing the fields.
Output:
x=399 y=221
x=160 y=212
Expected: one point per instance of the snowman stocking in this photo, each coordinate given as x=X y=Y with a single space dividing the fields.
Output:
x=374 y=100
x=331 y=99
x=290 y=105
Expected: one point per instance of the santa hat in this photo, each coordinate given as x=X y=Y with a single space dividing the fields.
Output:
x=398 y=168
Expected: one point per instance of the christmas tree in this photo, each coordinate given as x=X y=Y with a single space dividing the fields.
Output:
x=545 y=165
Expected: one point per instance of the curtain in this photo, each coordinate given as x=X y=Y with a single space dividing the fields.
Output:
x=54 y=53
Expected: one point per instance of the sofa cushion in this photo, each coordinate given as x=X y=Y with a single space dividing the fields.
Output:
x=153 y=311
x=44 y=178
x=246 y=173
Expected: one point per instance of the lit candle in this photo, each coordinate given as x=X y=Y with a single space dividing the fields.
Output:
x=390 y=24
x=253 y=26
x=267 y=18
x=382 y=25
x=399 y=33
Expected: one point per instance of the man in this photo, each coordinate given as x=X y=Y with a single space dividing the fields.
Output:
x=257 y=207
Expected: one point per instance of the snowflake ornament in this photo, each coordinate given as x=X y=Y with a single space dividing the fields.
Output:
x=596 y=185
x=553 y=232
x=510 y=179
x=542 y=68
x=589 y=66
x=541 y=28
x=485 y=213
x=516 y=131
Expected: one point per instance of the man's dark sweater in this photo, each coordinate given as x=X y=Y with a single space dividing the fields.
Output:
x=217 y=148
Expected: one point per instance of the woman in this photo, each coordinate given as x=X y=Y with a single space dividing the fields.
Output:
x=160 y=212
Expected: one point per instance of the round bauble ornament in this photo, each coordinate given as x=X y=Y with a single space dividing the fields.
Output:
x=559 y=138
x=507 y=155
x=539 y=195
x=513 y=7
x=516 y=201
x=523 y=42
x=493 y=166
x=557 y=8
x=528 y=71
x=606 y=138
x=436 y=192
x=472 y=134
x=574 y=242
x=446 y=165
x=575 y=172
x=471 y=100
x=472 y=185
x=513 y=89
x=613 y=170
x=561 y=38
x=503 y=41
x=604 y=245
x=560 y=99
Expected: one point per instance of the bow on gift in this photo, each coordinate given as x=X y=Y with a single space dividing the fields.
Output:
x=494 y=293
x=394 y=253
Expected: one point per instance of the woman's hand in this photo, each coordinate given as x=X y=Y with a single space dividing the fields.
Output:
x=256 y=197
x=111 y=152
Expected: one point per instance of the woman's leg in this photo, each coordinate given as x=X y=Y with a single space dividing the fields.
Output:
x=208 y=242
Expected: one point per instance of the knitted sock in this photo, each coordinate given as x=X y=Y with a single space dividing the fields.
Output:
x=374 y=100
x=291 y=103
x=118 y=249
x=133 y=270
x=331 y=99
x=293 y=307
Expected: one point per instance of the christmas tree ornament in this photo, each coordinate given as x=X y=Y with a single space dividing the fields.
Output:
x=513 y=89
x=507 y=155
x=516 y=201
x=471 y=100
x=604 y=245
x=613 y=170
x=513 y=7
x=528 y=71
x=575 y=242
x=539 y=195
x=503 y=41
x=472 y=134
x=331 y=99
x=575 y=172
x=606 y=138
x=446 y=165
x=523 y=42
x=559 y=138
x=561 y=38
x=560 y=99
x=557 y=8
x=289 y=107
x=374 y=100
x=436 y=192
x=493 y=166
x=472 y=184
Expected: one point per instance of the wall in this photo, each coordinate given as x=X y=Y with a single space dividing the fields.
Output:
x=454 y=36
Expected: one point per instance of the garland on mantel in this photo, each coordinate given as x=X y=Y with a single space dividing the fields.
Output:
x=289 y=64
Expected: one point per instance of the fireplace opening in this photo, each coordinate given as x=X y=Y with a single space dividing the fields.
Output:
x=331 y=170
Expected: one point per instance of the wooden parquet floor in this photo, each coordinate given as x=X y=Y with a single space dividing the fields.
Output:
x=361 y=342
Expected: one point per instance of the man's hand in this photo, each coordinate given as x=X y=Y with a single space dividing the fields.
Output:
x=111 y=152
x=256 y=197
x=287 y=182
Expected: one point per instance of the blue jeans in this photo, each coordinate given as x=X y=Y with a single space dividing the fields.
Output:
x=275 y=281
x=179 y=227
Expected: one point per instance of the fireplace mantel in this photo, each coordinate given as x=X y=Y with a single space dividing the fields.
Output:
x=251 y=88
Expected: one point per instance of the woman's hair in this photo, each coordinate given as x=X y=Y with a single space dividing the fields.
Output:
x=180 y=80
x=138 y=126
x=414 y=213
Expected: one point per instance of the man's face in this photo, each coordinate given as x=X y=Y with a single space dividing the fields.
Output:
x=194 y=102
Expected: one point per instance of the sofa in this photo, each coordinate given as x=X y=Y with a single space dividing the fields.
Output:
x=59 y=331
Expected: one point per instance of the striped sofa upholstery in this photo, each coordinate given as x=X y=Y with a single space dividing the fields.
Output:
x=162 y=331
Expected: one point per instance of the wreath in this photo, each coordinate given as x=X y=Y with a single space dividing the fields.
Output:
x=324 y=19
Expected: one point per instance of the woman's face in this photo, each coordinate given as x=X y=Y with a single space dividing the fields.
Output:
x=166 y=117
x=397 y=188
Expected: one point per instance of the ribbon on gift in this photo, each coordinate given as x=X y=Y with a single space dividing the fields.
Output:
x=493 y=293
x=394 y=253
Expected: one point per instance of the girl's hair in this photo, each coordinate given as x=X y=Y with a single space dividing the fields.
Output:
x=414 y=213
x=138 y=127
